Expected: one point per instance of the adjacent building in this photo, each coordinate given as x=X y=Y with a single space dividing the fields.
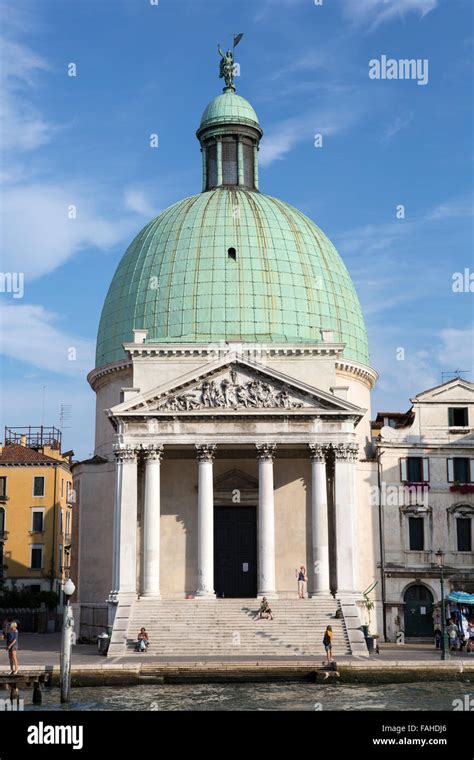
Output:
x=425 y=461
x=36 y=509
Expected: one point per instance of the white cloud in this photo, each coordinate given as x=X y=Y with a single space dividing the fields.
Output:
x=29 y=334
x=22 y=126
x=283 y=137
x=136 y=200
x=37 y=234
x=376 y=12
x=454 y=208
x=455 y=351
x=400 y=123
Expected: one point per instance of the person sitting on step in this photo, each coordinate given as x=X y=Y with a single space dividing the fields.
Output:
x=142 y=641
x=264 y=610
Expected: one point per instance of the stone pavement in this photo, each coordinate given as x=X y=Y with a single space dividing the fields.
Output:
x=42 y=650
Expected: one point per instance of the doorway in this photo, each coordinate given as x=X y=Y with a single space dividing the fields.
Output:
x=418 y=612
x=235 y=551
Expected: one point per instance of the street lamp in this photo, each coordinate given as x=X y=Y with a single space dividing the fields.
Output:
x=66 y=643
x=444 y=634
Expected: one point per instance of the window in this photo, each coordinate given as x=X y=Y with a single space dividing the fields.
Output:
x=37 y=524
x=458 y=416
x=2 y=521
x=248 y=165
x=415 y=470
x=3 y=487
x=415 y=525
x=68 y=523
x=60 y=557
x=62 y=486
x=229 y=163
x=36 y=558
x=232 y=253
x=464 y=534
x=460 y=469
x=211 y=153
x=61 y=521
x=38 y=485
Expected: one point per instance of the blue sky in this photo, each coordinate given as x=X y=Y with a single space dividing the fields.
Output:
x=145 y=68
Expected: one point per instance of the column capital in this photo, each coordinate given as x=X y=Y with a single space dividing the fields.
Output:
x=205 y=451
x=317 y=452
x=265 y=451
x=153 y=452
x=346 y=452
x=125 y=453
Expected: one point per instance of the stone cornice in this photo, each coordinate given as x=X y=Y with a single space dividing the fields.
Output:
x=211 y=350
x=108 y=369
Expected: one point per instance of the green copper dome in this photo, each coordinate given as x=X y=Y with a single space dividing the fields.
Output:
x=229 y=108
x=231 y=264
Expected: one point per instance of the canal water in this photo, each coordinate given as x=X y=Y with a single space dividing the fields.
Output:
x=262 y=696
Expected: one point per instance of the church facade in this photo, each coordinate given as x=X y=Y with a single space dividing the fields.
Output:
x=233 y=440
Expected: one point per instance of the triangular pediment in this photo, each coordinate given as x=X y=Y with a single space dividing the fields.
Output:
x=458 y=390
x=235 y=480
x=234 y=385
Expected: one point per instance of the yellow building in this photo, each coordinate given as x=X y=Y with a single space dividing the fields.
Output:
x=36 y=505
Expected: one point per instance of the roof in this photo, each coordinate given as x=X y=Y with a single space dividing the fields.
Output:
x=14 y=453
x=177 y=281
x=229 y=108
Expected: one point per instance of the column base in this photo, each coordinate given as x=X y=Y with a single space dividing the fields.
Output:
x=268 y=594
x=150 y=595
x=205 y=595
x=315 y=594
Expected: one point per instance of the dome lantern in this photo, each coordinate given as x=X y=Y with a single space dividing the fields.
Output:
x=229 y=134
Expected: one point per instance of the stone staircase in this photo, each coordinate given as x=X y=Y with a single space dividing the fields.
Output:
x=228 y=627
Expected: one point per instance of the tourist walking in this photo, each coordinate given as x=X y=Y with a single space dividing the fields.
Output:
x=12 y=648
x=327 y=642
x=302 y=578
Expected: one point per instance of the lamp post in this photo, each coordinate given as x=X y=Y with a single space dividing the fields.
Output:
x=444 y=634
x=66 y=643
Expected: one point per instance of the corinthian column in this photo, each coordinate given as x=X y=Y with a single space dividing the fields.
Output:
x=125 y=521
x=345 y=461
x=205 y=456
x=319 y=520
x=266 y=520
x=151 y=522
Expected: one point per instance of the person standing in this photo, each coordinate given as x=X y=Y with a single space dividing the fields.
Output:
x=327 y=643
x=302 y=578
x=12 y=648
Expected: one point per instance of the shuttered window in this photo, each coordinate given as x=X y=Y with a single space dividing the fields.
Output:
x=459 y=470
x=414 y=469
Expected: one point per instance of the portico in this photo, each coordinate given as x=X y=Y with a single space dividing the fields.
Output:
x=264 y=419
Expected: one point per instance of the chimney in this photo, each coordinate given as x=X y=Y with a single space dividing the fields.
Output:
x=22 y=440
